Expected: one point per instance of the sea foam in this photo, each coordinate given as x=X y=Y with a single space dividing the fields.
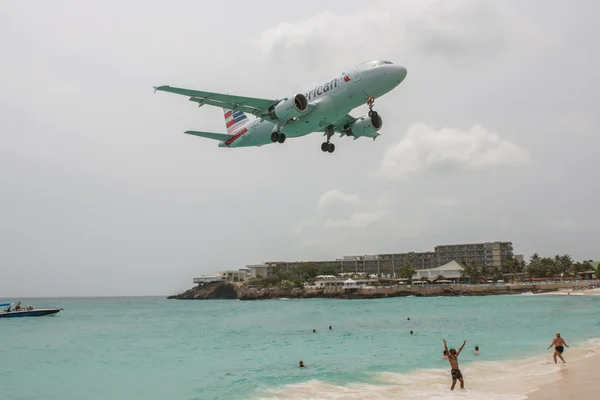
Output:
x=506 y=380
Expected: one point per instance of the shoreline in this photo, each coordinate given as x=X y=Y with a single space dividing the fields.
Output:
x=576 y=380
x=571 y=292
x=529 y=378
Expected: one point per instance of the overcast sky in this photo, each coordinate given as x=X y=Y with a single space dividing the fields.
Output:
x=492 y=136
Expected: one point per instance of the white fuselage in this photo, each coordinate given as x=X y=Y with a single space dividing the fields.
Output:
x=332 y=100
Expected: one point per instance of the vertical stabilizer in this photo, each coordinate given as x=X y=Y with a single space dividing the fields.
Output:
x=234 y=120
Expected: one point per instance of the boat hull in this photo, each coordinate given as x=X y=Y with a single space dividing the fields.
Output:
x=30 y=313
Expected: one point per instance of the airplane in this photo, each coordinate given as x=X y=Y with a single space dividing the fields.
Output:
x=323 y=109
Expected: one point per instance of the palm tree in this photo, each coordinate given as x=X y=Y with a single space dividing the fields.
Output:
x=466 y=272
x=406 y=271
x=566 y=263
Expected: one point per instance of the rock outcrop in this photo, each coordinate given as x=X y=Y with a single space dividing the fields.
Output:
x=219 y=290
x=231 y=291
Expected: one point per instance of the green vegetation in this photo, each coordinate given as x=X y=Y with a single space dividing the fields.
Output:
x=546 y=267
x=406 y=271
x=295 y=277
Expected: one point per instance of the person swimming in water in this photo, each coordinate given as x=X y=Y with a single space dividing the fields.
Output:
x=558 y=343
x=453 y=359
x=301 y=364
x=476 y=350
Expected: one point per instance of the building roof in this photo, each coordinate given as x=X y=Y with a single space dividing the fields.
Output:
x=594 y=264
x=452 y=265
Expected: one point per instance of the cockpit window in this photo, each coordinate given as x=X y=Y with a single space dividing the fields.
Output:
x=378 y=63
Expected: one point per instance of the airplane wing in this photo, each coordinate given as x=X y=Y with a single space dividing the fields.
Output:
x=210 y=135
x=251 y=105
x=341 y=124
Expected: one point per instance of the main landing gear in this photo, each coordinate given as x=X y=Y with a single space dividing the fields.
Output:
x=370 y=104
x=277 y=137
x=328 y=146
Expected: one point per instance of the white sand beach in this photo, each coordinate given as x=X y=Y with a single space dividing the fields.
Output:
x=578 y=380
x=571 y=292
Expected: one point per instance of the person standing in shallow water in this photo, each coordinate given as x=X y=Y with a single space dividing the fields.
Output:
x=453 y=359
x=558 y=344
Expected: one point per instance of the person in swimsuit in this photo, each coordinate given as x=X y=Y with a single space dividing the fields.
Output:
x=301 y=364
x=445 y=355
x=476 y=350
x=453 y=359
x=558 y=344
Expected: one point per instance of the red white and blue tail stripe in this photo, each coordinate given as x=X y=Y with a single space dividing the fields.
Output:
x=234 y=120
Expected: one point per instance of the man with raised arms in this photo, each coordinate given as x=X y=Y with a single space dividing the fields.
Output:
x=453 y=359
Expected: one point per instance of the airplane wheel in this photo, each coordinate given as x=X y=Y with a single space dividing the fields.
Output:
x=274 y=137
x=331 y=148
x=324 y=146
x=281 y=138
x=371 y=113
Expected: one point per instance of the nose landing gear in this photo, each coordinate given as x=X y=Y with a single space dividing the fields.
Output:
x=370 y=104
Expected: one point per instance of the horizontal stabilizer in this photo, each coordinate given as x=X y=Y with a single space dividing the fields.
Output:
x=210 y=135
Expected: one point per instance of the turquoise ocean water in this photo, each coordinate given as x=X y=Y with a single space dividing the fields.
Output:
x=153 y=348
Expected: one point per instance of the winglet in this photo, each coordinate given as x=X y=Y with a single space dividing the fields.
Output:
x=159 y=87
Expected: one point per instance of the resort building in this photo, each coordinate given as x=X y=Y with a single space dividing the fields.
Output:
x=590 y=274
x=492 y=254
x=343 y=281
x=235 y=275
x=260 y=270
x=450 y=271
x=204 y=279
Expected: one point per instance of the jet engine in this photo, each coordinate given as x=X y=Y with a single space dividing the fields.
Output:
x=365 y=126
x=291 y=108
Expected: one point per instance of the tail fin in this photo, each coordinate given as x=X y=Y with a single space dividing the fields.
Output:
x=234 y=120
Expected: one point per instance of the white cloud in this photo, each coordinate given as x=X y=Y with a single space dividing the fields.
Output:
x=334 y=198
x=433 y=27
x=424 y=148
x=288 y=35
x=336 y=209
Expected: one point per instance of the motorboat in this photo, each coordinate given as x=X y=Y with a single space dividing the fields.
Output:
x=7 y=310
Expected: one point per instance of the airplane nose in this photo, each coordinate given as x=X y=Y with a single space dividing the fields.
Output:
x=400 y=73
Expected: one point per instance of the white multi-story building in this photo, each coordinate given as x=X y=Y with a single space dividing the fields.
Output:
x=234 y=275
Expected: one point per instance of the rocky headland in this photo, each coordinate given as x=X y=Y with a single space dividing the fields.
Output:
x=226 y=290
